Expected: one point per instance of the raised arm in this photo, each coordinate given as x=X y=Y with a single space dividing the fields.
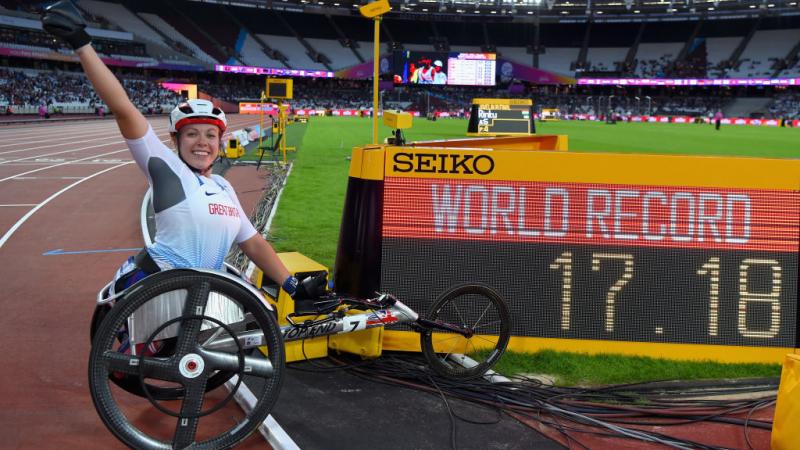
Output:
x=64 y=20
x=131 y=122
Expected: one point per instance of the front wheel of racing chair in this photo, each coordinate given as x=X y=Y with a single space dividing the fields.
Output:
x=130 y=383
x=198 y=315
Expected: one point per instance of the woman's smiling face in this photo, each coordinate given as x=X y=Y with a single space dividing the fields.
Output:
x=199 y=144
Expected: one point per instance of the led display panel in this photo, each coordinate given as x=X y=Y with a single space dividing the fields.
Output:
x=442 y=68
x=687 y=261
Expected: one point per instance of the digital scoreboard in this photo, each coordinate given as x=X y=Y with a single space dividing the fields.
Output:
x=453 y=68
x=471 y=69
x=603 y=250
x=501 y=117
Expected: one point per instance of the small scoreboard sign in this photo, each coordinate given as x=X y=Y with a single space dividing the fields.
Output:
x=501 y=116
x=600 y=247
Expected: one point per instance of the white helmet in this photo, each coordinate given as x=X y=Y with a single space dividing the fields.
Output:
x=197 y=111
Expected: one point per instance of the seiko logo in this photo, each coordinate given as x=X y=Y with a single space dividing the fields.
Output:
x=443 y=163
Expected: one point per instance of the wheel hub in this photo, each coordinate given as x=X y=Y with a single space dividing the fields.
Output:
x=191 y=365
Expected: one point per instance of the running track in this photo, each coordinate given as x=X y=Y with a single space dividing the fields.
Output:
x=64 y=187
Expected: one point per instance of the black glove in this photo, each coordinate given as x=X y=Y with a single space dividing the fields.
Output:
x=64 y=20
x=311 y=288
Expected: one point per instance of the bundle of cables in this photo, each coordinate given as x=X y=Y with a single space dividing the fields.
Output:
x=619 y=411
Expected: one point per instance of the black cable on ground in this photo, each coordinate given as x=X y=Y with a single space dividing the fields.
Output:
x=609 y=411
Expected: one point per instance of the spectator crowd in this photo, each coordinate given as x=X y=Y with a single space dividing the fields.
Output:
x=29 y=87
x=48 y=88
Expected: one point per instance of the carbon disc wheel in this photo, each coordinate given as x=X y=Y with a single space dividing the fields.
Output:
x=130 y=383
x=484 y=328
x=201 y=312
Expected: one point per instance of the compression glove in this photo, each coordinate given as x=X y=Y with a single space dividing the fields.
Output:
x=63 y=19
x=290 y=285
x=311 y=288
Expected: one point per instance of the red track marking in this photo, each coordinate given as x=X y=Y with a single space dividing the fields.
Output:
x=47 y=301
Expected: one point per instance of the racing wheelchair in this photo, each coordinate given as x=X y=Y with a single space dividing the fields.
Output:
x=162 y=348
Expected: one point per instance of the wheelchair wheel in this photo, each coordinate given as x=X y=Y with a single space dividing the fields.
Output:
x=203 y=345
x=483 y=316
x=130 y=383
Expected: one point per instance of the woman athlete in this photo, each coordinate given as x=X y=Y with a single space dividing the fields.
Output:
x=197 y=214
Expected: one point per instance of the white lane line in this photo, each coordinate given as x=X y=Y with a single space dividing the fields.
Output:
x=48 y=127
x=18 y=204
x=17 y=136
x=61 y=152
x=94 y=162
x=51 y=132
x=72 y=150
x=49 y=178
x=65 y=163
x=67 y=151
x=53 y=144
x=83 y=159
x=30 y=213
x=19 y=139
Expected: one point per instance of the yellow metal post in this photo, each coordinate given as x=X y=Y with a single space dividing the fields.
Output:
x=261 y=124
x=282 y=128
x=374 y=10
x=375 y=69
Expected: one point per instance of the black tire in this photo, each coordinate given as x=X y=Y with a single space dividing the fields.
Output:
x=188 y=354
x=131 y=384
x=474 y=307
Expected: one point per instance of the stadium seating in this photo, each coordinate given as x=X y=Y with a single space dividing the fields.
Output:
x=122 y=17
x=294 y=51
x=158 y=23
x=654 y=58
x=720 y=50
x=341 y=57
x=791 y=71
x=605 y=58
x=761 y=52
x=558 y=60
x=253 y=54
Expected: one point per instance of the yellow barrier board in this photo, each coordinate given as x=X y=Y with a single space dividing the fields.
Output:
x=787 y=409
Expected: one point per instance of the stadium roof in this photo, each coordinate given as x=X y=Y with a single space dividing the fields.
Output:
x=545 y=10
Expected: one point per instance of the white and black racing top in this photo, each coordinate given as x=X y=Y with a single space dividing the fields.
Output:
x=197 y=218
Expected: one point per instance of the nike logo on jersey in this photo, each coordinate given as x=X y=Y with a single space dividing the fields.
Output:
x=211 y=193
